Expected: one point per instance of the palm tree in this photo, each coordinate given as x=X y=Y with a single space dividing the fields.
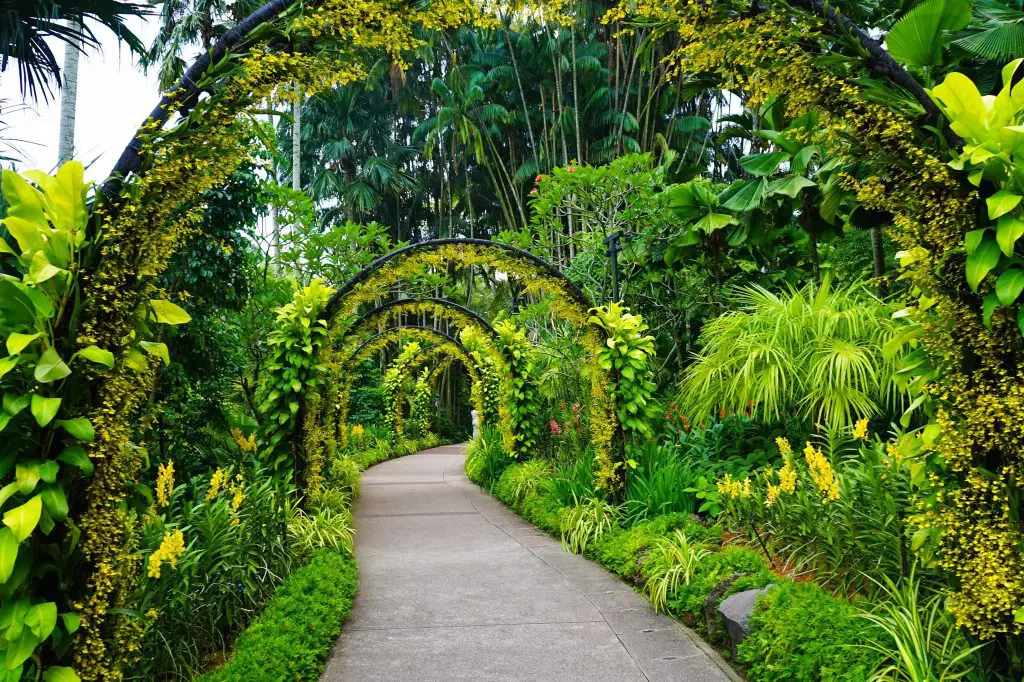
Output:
x=68 y=101
x=26 y=24
x=190 y=24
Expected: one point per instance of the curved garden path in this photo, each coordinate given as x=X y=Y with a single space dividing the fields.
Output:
x=454 y=586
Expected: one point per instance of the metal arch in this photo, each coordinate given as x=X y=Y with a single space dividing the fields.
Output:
x=443 y=302
x=392 y=330
x=345 y=289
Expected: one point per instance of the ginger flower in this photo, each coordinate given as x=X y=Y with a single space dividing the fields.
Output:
x=860 y=430
x=165 y=483
x=217 y=482
x=172 y=547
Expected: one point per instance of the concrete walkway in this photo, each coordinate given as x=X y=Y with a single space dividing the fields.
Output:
x=454 y=586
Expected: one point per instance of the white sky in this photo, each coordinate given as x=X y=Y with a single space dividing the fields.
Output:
x=114 y=97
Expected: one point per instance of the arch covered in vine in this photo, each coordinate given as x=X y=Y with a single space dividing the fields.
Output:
x=533 y=276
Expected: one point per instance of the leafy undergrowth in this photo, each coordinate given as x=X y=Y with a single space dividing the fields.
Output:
x=799 y=632
x=291 y=638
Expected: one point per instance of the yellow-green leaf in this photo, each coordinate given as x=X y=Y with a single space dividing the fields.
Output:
x=24 y=519
x=80 y=428
x=169 y=313
x=59 y=673
x=44 y=409
x=50 y=367
x=157 y=350
x=7 y=364
x=8 y=553
x=1001 y=203
x=18 y=342
x=98 y=355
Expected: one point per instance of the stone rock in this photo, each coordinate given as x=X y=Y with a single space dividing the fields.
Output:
x=712 y=619
x=736 y=610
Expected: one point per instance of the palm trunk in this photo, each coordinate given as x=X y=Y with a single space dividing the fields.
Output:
x=68 y=99
x=297 y=139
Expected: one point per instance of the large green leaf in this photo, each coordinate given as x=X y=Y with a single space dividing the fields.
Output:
x=55 y=501
x=7 y=364
x=41 y=619
x=27 y=475
x=1009 y=285
x=744 y=196
x=169 y=313
x=988 y=307
x=14 y=404
x=8 y=553
x=44 y=409
x=1001 y=203
x=50 y=367
x=21 y=648
x=18 y=342
x=790 y=185
x=713 y=221
x=24 y=519
x=763 y=164
x=98 y=355
x=76 y=457
x=16 y=308
x=80 y=428
x=1008 y=231
x=158 y=350
x=981 y=262
x=59 y=673
x=918 y=39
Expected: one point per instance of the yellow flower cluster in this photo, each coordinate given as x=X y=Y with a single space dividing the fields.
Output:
x=244 y=444
x=358 y=431
x=860 y=429
x=732 y=488
x=165 y=483
x=171 y=547
x=821 y=473
x=783 y=444
x=787 y=477
x=217 y=482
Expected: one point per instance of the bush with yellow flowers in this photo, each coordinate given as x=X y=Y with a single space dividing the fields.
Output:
x=836 y=507
x=220 y=535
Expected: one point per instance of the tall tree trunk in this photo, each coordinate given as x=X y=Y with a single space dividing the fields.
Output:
x=297 y=139
x=68 y=99
x=576 y=98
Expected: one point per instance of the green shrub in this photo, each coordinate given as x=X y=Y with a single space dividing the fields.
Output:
x=624 y=551
x=291 y=638
x=713 y=569
x=487 y=459
x=574 y=482
x=673 y=563
x=519 y=480
x=659 y=482
x=320 y=529
x=541 y=509
x=800 y=633
x=344 y=475
x=586 y=522
x=333 y=499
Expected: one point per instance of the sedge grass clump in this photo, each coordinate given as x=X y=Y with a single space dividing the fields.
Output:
x=519 y=480
x=585 y=523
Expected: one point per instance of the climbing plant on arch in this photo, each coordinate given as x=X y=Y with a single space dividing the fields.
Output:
x=533 y=276
x=327 y=414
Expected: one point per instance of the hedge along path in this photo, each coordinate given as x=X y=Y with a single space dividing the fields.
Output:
x=441 y=257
